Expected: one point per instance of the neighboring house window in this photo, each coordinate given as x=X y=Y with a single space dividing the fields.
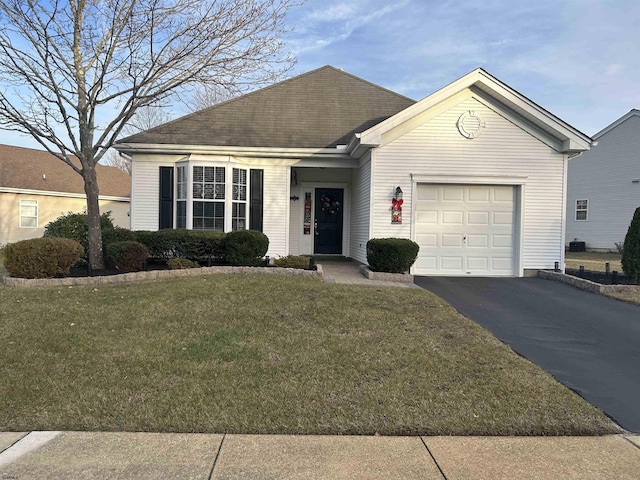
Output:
x=28 y=214
x=582 y=209
x=181 y=197
x=239 y=206
x=208 y=198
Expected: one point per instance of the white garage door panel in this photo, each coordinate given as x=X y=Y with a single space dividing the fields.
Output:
x=465 y=230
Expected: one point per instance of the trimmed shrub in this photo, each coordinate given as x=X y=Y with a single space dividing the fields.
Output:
x=292 y=261
x=191 y=244
x=631 y=251
x=393 y=255
x=246 y=247
x=41 y=257
x=181 y=264
x=126 y=256
x=117 y=234
x=74 y=226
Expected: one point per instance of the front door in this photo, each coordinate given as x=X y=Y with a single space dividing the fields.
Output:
x=328 y=221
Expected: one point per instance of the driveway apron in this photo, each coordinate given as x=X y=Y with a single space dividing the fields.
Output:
x=589 y=342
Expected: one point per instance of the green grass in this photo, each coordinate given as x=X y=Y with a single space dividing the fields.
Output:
x=267 y=354
x=631 y=297
x=593 y=260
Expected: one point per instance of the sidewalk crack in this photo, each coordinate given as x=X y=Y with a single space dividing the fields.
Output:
x=433 y=458
x=215 y=460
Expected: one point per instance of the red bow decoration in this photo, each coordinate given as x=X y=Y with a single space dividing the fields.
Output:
x=397 y=204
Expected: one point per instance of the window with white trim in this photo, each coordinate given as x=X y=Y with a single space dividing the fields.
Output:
x=208 y=198
x=239 y=205
x=28 y=213
x=582 y=210
x=181 y=197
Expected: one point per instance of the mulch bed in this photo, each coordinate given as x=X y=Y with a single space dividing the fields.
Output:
x=601 y=277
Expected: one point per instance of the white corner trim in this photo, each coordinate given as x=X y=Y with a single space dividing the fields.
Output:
x=470 y=179
x=59 y=194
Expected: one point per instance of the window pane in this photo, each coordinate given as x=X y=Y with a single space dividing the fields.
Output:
x=29 y=222
x=181 y=215
x=208 y=216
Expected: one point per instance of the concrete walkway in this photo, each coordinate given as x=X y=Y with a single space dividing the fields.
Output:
x=106 y=456
x=349 y=273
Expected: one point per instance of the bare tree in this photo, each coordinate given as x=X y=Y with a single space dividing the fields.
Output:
x=206 y=96
x=145 y=118
x=74 y=72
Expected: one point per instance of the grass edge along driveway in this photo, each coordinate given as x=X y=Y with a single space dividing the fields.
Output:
x=268 y=354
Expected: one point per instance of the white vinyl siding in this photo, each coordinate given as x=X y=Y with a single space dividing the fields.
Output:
x=503 y=150
x=360 y=211
x=145 y=192
x=275 y=223
x=605 y=176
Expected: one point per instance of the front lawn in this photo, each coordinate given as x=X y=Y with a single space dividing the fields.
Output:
x=267 y=354
x=593 y=260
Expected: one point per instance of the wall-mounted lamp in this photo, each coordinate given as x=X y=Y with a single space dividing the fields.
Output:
x=295 y=198
x=398 y=193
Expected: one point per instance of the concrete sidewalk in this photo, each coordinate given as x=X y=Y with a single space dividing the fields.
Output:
x=81 y=455
x=349 y=273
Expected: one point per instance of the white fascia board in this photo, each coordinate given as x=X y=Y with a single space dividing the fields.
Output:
x=59 y=194
x=503 y=93
x=624 y=118
x=263 y=152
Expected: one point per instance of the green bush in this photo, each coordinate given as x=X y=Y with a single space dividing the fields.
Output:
x=126 y=256
x=74 y=226
x=631 y=251
x=393 y=255
x=181 y=264
x=41 y=257
x=246 y=247
x=191 y=244
x=117 y=234
x=292 y=261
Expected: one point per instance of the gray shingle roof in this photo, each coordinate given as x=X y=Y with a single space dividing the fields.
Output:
x=319 y=109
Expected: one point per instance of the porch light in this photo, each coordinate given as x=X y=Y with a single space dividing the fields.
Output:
x=398 y=193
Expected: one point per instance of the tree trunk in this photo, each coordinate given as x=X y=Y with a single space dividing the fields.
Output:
x=95 y=256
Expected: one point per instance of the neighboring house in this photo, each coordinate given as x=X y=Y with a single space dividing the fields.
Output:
x=315 y=162
x=36 y=188
x=604 y=186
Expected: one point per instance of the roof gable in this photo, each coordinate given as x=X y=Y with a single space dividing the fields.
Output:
x=624 y=118
x=30 y=169
x=319 y=109
x=569 y=139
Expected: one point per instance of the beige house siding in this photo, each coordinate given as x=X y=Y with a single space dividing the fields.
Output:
x=503 y=149
x=49 y=208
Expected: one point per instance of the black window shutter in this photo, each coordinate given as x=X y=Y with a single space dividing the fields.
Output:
x=256 y=199
x=166 y=198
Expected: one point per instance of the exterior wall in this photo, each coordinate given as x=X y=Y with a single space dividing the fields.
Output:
x=309 y=176
x=360 y=210
x=49 y=208
x=145 y=191
x=603 y=176
x=436 y=147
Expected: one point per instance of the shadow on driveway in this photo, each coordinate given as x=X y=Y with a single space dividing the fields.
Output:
x=589 y=342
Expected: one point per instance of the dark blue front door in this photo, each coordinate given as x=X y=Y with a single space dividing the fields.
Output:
x=328 y=223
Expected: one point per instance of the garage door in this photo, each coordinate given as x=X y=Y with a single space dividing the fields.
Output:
x=465 y=230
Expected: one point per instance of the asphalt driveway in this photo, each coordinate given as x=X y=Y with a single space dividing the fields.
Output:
x=589 y=342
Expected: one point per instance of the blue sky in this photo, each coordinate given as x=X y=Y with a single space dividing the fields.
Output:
x=580 y=59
